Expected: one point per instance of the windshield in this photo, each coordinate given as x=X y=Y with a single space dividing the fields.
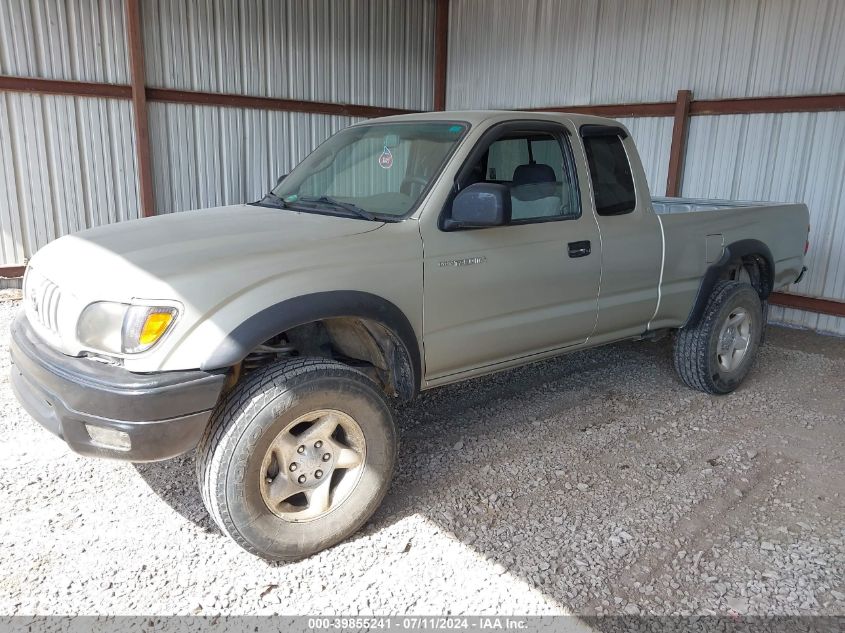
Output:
x=375 y=171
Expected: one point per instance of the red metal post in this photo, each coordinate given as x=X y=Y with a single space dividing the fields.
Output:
x=679 y=142
x=441 y=52
x=139 y=106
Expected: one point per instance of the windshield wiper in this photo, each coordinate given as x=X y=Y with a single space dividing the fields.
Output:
x=345 y=206
x=270 y=199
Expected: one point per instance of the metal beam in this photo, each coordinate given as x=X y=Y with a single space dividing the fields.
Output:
x=677 y=152
x=441 y=52
x=767 y=105
x=167 y=95
x=139 y=106
x=711 y=107
x=64 y=88
x=266 y=103
x=615 y=110
x=810 y=304
x=12 y=272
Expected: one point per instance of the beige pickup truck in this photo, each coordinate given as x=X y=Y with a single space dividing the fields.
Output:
x=404 y=253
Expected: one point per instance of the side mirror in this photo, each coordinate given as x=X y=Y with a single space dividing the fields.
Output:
x=280 y=179
x=479 y=206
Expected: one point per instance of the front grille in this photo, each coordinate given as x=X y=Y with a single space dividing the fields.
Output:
x=42 y=298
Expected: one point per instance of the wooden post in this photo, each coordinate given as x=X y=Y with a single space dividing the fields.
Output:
x=135 y=41
x=441 y=50
x=679 y=141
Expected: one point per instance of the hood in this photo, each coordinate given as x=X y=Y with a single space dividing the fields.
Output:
x=154 y=254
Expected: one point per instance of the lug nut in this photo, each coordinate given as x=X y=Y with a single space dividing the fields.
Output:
x=300 y=450
x=301 y=479
x=293 y=466
x=318 y=444
x=327 y=456
x=318 y=474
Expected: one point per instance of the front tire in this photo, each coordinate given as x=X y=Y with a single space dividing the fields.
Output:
x=716 y=354
x=297 y=457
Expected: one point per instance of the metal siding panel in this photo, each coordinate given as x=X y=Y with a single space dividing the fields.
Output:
x=32 y=171
x=66 y=164
x=11 y=236
x=534 y=53
x=367 y=52
x=210 y=156
x=82 y=40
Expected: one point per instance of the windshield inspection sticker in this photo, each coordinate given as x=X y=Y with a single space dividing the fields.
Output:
x=385 y=161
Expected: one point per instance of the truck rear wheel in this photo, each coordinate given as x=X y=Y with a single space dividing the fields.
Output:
x=716 y=354
x=297 y=457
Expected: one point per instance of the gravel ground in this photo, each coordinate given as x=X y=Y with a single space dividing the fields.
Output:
x=591 y=484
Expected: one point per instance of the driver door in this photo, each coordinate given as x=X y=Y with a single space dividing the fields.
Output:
x=509 y=292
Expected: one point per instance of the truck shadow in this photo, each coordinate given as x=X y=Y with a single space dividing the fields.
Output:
x=429 y=428
x=175 y=482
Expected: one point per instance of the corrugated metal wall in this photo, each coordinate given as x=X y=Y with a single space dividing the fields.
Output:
x=208 y=156
x=68 y=163
x=370 y=52
x=531 y=53
x=82 y=40
x=367 y=52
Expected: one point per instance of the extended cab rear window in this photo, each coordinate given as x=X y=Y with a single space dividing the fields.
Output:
x=610 y=172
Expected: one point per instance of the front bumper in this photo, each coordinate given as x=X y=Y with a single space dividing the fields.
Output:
x=163 y=414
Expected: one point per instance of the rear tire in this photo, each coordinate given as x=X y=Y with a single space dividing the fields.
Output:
x=297 y=457
x=716 y=354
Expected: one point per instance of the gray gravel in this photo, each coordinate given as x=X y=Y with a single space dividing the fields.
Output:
x=595 y=483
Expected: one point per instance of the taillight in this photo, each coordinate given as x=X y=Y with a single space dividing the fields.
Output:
x=807 y=242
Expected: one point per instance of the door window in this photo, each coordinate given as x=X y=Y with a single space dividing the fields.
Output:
x=537 y=168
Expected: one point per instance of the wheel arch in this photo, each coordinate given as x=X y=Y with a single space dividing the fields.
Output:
x=321 y=306
x=741 y=252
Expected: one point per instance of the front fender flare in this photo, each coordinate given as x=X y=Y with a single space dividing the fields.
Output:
x=291 y=313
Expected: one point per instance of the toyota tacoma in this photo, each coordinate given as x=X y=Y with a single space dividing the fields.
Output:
x=404 y=253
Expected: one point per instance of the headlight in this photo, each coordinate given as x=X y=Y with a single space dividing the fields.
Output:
x=122 y=328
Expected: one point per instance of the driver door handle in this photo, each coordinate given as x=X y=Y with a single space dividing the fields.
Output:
x=579 y=249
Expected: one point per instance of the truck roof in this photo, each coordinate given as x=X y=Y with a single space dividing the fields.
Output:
x=480 y=116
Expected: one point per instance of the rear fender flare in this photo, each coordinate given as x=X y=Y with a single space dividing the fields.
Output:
x=734 y=251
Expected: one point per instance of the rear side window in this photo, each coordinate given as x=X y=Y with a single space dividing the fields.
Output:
x=610 y=172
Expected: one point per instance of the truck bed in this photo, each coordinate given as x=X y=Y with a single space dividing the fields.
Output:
x=696 y=231
x=663 y=206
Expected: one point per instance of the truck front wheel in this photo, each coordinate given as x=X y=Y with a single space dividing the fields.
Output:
x=297 y=457
x=715 y=354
